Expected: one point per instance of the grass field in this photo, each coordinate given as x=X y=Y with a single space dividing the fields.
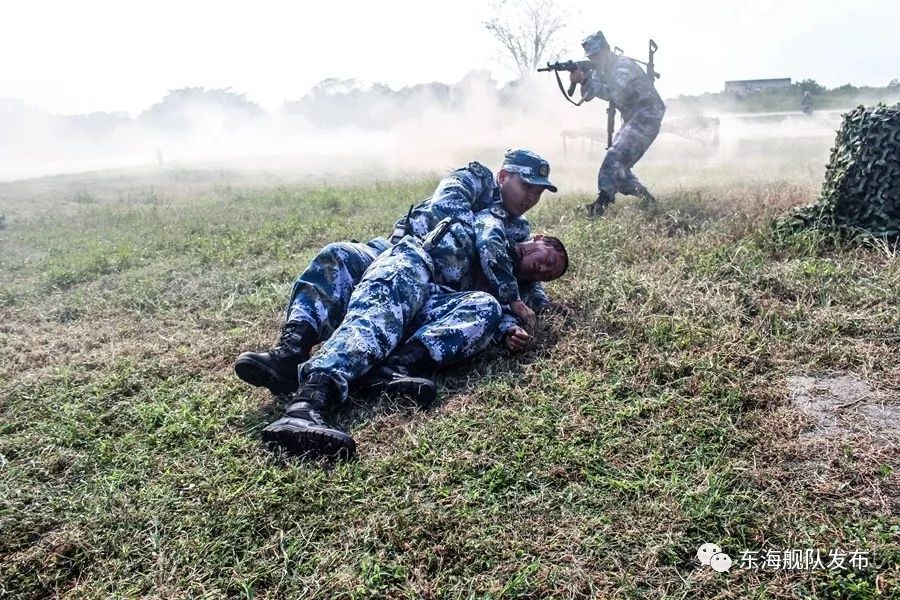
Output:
x=716 y=385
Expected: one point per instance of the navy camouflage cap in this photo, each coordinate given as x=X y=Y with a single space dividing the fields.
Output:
x=529 y=166
x=594 y=43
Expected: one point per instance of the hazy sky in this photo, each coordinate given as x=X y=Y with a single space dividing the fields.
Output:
x=86 y=55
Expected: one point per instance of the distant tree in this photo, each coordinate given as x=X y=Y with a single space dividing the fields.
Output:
x=894 y=84
x=337 y=102
x=334 y=86
x=527 y=31
x=845 y=89
x=170 y=111
x=439 y=91
x=96 y=124
x=811 y=86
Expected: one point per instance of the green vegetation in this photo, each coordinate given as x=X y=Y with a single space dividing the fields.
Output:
x=788 y=99
x=593 y=465
x=861 y=193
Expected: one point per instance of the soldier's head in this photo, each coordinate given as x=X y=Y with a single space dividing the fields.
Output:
x=522 y=179
x=595 y=47
x=542 y=258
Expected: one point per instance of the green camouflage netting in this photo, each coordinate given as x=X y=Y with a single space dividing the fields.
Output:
x=861 y=192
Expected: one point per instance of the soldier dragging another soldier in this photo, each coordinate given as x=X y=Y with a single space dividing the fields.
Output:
x=459 y=273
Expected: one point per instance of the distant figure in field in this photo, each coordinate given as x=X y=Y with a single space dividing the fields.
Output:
x=620 y=80
x=806 y=104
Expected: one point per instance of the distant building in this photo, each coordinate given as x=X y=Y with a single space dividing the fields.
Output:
x=748 y=86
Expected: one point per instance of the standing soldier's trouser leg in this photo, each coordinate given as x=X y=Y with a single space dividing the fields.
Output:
x=455 y=326
x=629 y=146
x=322 y=292
x=381 y=307
x=609 y=172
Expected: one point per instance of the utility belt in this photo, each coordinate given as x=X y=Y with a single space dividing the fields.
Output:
x=403 y=228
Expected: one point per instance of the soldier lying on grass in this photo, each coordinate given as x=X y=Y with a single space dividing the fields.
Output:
x=478 y=258
x=320 y=294
x=410 y=315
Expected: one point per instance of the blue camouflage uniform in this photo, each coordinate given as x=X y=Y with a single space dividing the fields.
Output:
x=460 y=196
x=406 y=295
x=496 y=257
x=627 y=86
x=321 y=293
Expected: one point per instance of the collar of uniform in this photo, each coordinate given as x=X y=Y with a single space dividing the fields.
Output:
x=512 y=250
x=497 y=198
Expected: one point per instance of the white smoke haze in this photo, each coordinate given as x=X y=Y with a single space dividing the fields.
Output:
x=346 y=127
x=413 y=135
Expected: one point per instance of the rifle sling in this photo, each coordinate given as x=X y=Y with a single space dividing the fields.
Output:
x=563 y=90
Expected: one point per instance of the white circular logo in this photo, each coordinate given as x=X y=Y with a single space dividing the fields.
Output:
x=706 y=551
x=720 y=562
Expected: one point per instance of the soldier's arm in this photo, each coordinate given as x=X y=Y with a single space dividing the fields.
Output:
x=534 y=295
x=459 y=194
x=507 y=322
x=512 y=331
x=455 y=197
x=492 y=246
x=594 y=86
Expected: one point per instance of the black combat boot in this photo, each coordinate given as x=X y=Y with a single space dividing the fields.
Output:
x=407 y=374
x=276 y=368
x=302 y=430
x=598 y=207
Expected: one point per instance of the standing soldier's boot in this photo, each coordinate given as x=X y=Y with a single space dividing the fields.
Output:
x=407 y=374
x=276 y=368
x=598 y=207
x=302 y=429
x=647 y=199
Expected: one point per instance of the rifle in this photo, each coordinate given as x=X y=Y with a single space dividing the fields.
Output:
x=649 y=64
x=610 y=123
x=651 y=70
x=568 y=65
x=587 y=66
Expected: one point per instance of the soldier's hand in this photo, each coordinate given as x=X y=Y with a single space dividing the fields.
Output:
x=576 y=76
x=525 y=314
x=516 y=339
x=559 y=308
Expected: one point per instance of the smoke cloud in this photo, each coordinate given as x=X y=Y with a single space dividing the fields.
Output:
x=343 y=126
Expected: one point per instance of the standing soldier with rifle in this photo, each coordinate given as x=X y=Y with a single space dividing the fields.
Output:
x=621 y=81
